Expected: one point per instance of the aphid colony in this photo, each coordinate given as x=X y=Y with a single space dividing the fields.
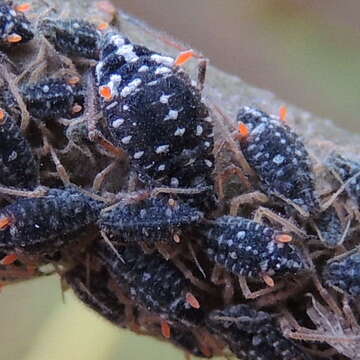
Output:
x=113 y=180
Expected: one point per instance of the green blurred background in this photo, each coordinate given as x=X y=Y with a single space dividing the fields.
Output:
x=306 y=51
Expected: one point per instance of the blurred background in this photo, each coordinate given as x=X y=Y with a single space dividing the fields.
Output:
x=306 y=51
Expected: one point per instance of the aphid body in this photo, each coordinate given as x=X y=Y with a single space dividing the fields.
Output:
x=52 y=98
x=155 y=114
x=15 y=28
x=343 y=273
x=151 y=220
x=330 y=228
x=73 y=37
x=252 y=334
x=347 y=168
x=18 y=167
x=153 y=282
x=42 y=225
x=245 y=247
x=279 y=158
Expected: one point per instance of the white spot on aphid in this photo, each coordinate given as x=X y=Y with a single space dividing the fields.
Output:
x=208 y=163
x=45 y=89
x=199 y=130
x=166 y=60
x=162 y=70
x=118 y=122
x=126 y=139
x=161 y=167
x=172 y=115
x=110 y=106
x=164 y=99
x=138 y=154
x=143 y=68
x=117 y=40
x=127 y=90
x=179 y=132
x=127 y=52
x=174 y=182
x=125 y=107
x=162 y=149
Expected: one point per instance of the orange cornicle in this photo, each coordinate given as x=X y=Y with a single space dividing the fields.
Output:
x=283 y=111
x=105 y=92
x=76 y=108
x=103 y=26
x=283 y=238
x=184 y=57
x=2 y=116
x=23 y=7
x=14 y=38
x=268 y=280
x=8 y=259
x=165 y=329
x=243 y=131
x=5 y=221
x=192 y=300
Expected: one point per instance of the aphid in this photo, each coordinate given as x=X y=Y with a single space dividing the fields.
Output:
x=44 y=224
x=343 y=273
x=252 y=334
x=279 y=158
x=53 y=98
x=15 y=28
x=330 y=228
x=245 y=247
x=155 y=114
x=72 y=37
x=150 y=220
x=97 y=295
x=348 y=171
x=153 y=282
x=18 y=167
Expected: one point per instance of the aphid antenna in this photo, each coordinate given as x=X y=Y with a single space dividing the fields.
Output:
x=38 y=192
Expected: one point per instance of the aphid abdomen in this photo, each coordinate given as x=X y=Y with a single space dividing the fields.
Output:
x=74 y=37
x=51 y=98
x=15 y=28
x=44 y=224
x=18 y=167
x=252 y=334
x=343 y=273
x=250 y=249
x=155 y=114
x=152 y=281
x=152 y=220
x=279 y=158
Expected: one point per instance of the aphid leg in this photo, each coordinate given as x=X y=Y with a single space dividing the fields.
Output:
x=291 y=329
x=281 y=296
x=110 y=244
x=248 y=294
x=227 y=173
x=220 y=277
x=47 y=147
x=38 y=192
x=13 y=87
x=249 y=198
x=349 y=315
x=196 y=261
x=169 y=190
x=190 y=276
x=334 y=196
x=101 y=176
x=231 y=143
x=287 y=225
